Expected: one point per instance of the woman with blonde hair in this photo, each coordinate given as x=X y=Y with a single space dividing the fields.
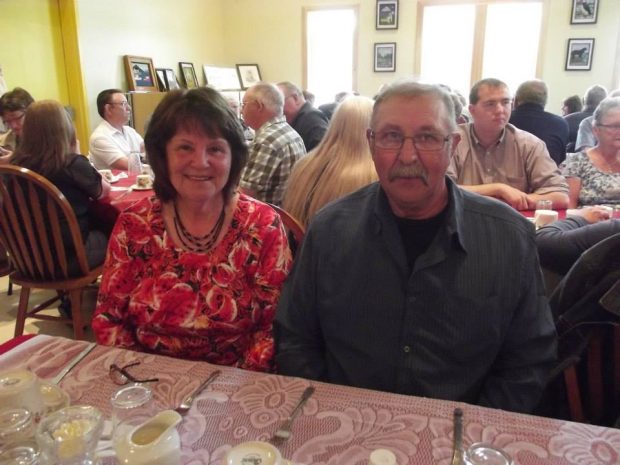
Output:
x=339 y=165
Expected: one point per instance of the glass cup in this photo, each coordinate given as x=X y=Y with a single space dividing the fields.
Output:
x=70 y=436
x=17 y=445
x=544 y=205
x=486 y=454
x=134 y=164
x=21 y=389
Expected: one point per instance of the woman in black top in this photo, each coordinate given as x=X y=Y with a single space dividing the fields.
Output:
x=48 y=147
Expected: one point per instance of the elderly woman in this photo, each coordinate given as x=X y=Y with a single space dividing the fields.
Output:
x=593 y=175
x=195 y=271
x=339 y=165
x=48 y=147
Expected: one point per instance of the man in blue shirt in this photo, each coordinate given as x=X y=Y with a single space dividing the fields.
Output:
x=530 y=115
x=413 y=285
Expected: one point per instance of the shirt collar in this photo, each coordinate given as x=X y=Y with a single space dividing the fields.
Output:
x=474 y=137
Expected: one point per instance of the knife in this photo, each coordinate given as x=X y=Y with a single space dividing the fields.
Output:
x=58 y=378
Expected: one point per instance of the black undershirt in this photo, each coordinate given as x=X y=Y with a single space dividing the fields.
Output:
x=417 y=235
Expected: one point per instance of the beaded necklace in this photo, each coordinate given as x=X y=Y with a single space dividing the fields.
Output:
x=197 y=243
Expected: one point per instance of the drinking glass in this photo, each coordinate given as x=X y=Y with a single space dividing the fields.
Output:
x=544 y=205
x=134 y=164
x=17 y=444
x=70 y=436
x=486 y=454
x=132 y=405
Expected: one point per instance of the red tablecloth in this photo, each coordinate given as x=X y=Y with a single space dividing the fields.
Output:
x=338 y=426
x=530 y=213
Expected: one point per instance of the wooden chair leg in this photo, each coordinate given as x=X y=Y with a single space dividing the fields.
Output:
x=10 y=290
x=573 y=394
x=75 y=297
x=22 y=309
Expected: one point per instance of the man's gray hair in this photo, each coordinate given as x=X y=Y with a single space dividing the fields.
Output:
x=270 y=96
x=291 y=89
x=594 y=96
x=534 y=91
x=607 y=105
x=410 y=89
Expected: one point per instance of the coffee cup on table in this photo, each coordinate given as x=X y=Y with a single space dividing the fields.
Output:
x=544 y=217
x=143 y=181
x=253 y=452
x=106 y=174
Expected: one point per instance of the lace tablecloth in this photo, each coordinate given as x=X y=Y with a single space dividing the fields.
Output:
x=338 y=426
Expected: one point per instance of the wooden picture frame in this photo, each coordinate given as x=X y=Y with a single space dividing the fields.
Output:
x=579 y=54
x=189 y=75
x=249 y=74
x=584 y=12
x=385 y=57
x=387 y=14
x=171 y=79
x=140 y=73
x=161 y=79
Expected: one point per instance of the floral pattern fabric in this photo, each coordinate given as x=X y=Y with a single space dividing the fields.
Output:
x=216 y=306
x=597 y=187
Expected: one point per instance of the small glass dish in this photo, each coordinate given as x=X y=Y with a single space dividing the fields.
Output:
x=486 y=454
x=70 y=435
x=54 y=398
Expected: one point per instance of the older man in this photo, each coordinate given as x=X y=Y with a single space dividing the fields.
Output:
x=498 y=160
x=13 y=105
x=112 y=141
x=276 y=146
x=593 y=96
x=530 y=115
x=414 y=286
x=309 y=122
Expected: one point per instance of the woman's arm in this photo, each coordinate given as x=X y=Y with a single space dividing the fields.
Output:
x=273 y=268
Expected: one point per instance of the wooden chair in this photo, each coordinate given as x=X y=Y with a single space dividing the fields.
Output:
x=5 y=268
x=294 y=227
x=32 y=210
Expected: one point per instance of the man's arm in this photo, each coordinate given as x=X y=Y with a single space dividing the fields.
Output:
x=106 y=152
x=521 y=369
x=297 y=333
x=510 y=195
x=545 y=180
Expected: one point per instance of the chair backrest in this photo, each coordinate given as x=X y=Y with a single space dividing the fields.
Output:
x=294 y=227
x=586 y=305
x=34 y=218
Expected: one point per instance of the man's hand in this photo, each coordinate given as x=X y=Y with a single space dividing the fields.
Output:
x=514 y=197
x=593 y=214
x=5 y=155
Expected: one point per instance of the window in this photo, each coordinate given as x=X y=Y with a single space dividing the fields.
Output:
x=330 y=51
x=462 y=43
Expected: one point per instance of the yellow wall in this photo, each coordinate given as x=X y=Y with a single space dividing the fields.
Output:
x=31 y=54
x=166 y=31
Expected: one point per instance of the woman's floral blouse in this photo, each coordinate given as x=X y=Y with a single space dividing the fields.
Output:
x=597 y=187
x=216 y=306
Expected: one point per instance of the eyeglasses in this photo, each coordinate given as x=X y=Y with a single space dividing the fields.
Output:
x=610 y=127
x=394 y=140
x=8 y=121
x=122 y=104
x=121 y=376
x=243 y=104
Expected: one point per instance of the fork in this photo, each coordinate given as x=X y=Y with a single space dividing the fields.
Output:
x=284 y=431
x=186 y=404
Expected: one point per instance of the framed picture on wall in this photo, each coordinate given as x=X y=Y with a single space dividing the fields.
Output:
x=189 y=75
x=248 y=75
x=221 y=78
x=161 y=79
x=140 y=73
x=171 y=79
x=579 y=54
x=385 y=57
x=584 y=12
x=387 y=14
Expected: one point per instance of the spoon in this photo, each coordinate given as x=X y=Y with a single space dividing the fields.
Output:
x=187 y=402
x=458 y=454
x=284 y=431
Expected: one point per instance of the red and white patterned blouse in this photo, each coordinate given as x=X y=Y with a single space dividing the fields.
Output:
x=216 y=306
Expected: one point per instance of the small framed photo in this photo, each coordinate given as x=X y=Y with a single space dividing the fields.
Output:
x=387 y=14
x=385 y=57
x=140 y=73
x=189 y=75
x=584 y=12
x=171 y=79
x=248 y=75
x=221 y=78
x=579 y=54
x=161 y=79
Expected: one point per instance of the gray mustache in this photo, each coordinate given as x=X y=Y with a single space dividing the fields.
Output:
x=409 y=171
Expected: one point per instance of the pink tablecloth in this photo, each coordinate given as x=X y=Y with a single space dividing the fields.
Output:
x=107 y=210
x=338 y=426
